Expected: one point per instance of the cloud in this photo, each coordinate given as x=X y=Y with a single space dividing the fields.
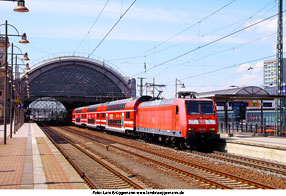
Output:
x=258 y=67
x=113 y=9
x=251 y=77
x=249 y=80
x=268 y=26
x=243 y=67
x=68 y=14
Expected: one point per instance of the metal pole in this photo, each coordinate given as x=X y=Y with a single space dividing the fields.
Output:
x=5 y=81
x=11 y=94
x=141 y=86
x=17 y=113
x=17 y=74
x=261 y=117
x=279 y=68
x=176 y=88
x=153 y=87
x=226 y=116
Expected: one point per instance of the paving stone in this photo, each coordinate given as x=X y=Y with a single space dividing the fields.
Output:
x=30 y=161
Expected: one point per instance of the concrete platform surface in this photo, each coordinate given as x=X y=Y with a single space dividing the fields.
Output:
x=270 y=148
x=29 y=160
x=259 y=140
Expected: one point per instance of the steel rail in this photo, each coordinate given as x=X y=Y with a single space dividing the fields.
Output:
x=210 y=182
x=125 y=178
x=251 y=162
x=233 y=159
x=250 y=182
x=75 y=166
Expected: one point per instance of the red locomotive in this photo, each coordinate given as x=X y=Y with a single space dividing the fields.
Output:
x=181 y=122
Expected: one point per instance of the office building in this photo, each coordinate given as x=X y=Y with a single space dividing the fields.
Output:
x=270 y=75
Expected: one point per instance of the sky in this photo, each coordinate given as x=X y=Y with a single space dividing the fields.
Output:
x=199 y=43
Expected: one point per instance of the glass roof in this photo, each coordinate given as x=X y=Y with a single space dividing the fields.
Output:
x=249 y=92
x=48 y=104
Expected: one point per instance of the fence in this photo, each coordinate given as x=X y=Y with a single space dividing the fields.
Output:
x=237 y=127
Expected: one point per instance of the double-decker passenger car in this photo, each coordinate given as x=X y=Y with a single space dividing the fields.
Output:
x=182 y=122
x=117 y=116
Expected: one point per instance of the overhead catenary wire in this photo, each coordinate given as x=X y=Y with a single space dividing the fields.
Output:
x=112 y=28
x=227 y=26
x=189 y=27
x=179 y=33
x=192 y=64
x=181 y=43
x=243 y=25
x=221 y=51
x=231 y=48
x=231 y=66
x=91 y=27
x=227 y=67
x=209 y=43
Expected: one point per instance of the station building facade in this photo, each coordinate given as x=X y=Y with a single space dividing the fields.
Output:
x=245 y=105
x=2 y=76
x=248 y=112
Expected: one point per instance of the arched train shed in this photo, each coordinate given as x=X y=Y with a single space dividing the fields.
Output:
x=76 y=81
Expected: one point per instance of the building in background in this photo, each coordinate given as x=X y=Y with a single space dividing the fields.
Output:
x=270 y=75
x=2 y=76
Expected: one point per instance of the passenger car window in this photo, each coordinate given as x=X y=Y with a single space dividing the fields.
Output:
x=127 y=115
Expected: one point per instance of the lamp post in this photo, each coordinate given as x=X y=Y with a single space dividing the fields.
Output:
x=20 y=6
x=11 y=83
x=23 y=41
x=18 y=87
x=178 y=82
x=279 y=104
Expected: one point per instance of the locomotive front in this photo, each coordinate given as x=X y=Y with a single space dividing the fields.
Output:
x=202 y=124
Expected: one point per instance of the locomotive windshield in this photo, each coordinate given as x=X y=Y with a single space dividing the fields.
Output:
x=200 y=107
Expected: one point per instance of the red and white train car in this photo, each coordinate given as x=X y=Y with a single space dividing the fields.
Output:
x=117 y=116
x=79 y=116
x=183 y=122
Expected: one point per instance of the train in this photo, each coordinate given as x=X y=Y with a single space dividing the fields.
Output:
x=181 y=122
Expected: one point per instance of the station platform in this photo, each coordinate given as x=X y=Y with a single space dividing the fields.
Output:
x=259 y=140
x=272 y=148
x=29 y=160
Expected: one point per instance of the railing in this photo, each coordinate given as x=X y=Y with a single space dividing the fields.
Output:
x=251 y=128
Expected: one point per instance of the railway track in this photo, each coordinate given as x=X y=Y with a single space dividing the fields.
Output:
x=275 y=168
x=102 y=176
x=208 y=177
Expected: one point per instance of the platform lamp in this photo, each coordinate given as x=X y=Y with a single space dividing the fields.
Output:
x=178 y=82
x=28 y=88
x=23 y=41
x=20 y=6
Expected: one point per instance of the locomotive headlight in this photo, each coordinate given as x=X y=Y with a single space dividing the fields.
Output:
x=191 y=129
x=212 y=129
